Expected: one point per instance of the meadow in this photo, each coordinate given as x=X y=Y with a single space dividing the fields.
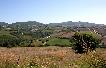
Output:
x=47 y=57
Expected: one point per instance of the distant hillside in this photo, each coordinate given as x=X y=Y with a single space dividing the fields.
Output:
x=75 y=24
x=3 y=24
x=28 y=23
x=33 y=30
x=63 y=24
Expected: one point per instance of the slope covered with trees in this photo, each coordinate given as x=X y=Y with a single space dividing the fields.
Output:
x=31 y=32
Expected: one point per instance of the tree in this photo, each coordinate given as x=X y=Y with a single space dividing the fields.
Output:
x=8 y=41
x=84 y=42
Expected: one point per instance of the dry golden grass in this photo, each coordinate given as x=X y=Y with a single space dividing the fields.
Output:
x=39 y=57
x=46 y=56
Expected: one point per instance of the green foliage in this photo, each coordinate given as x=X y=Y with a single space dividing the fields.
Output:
x=84 y=42
x=8 y=41
x=40 y=34
x=58 y=42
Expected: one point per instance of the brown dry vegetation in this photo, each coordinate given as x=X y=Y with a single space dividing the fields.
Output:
x=40 y=57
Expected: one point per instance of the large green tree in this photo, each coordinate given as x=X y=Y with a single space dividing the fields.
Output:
x=84 y=42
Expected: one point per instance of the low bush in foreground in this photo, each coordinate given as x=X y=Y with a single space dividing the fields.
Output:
x=91 y=60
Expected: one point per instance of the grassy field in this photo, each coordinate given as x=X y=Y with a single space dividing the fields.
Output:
x=41 y=57
x=59 y=42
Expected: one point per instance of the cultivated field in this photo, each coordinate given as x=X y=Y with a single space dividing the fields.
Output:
x=41 y=57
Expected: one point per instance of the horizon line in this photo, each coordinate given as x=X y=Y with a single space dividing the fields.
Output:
x=48 y=23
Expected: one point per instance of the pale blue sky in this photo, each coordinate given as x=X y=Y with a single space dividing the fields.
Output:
x=53 y=11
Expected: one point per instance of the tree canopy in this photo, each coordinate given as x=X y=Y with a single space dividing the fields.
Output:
x=8 y=41
x=84 y=42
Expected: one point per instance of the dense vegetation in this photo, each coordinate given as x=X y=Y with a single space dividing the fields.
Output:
x=8 y=41
x=85 y=42
x=45 y=36
x=32 y=33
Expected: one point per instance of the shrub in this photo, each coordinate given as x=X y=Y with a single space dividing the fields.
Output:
x=8 y=41
x=85 y=42
x=91 y=60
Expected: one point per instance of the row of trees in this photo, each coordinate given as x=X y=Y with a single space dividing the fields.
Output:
x=13 y=41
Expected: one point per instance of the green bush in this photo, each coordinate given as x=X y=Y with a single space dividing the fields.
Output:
x=85 y=42
x=9 y=41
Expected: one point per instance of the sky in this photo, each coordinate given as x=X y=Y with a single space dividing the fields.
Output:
x=53 y=11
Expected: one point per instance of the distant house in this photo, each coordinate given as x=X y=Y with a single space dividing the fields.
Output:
x=33 y=30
